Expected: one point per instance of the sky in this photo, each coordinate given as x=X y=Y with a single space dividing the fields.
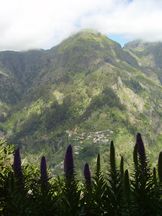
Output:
x=35 y=24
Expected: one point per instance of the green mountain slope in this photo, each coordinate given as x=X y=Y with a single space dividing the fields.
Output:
x=86 y=91
x=148 y=56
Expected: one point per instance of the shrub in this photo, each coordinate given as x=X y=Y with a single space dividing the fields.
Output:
x=120 y=192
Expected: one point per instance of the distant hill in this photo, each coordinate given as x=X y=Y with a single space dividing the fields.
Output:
x=87 y=91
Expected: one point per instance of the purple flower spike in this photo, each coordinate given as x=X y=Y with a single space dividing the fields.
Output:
x=141 y=152
x=140 y=146
x=87 y=174
x=17 y=164
x=43 y=169
x=160 y=167
x=68 y=162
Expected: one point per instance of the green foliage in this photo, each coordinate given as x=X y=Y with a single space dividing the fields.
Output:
x=142 y=186
x=87 y=90
x=29 y=126
x=114 y=189
x=134 y=85
x=56 y=114
x=120 y=193
x=99 y=190
x=88 y=83
x=89 y=151
x=106 y=98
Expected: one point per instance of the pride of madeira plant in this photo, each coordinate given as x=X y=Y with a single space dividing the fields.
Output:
x=117 y=192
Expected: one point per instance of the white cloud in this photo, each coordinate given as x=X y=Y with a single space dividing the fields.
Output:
x=27 y=24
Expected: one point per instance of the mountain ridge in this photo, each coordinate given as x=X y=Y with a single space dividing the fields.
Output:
x=75 y=92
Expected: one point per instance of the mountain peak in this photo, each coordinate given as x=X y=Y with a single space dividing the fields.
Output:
x=134 y=44
x=91 y=34
x=89 y=31
x=88 y=38
x=140 y=45
x=87 y=88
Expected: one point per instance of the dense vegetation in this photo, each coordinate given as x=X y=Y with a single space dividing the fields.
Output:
x=87 y=91
x=25 y=191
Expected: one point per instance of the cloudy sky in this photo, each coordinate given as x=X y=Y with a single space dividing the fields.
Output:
x=29 y=24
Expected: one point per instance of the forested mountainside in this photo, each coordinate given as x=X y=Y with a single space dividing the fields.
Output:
x=86 y=91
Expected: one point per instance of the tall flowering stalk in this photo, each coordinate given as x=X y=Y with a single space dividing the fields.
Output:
x=17 y=168
x=122 y=167
x=71 y=192
x=98 y=166
x=160 y=167
x=112 y=159
x=135 y=157
x=44 y=175
x=99 y=190
x=69 y=163
x=87 y=175
x=43 y=168
x=114 y=189
x=141 y=165
x=142 y=179
x=141 y=149
x=88 y=197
